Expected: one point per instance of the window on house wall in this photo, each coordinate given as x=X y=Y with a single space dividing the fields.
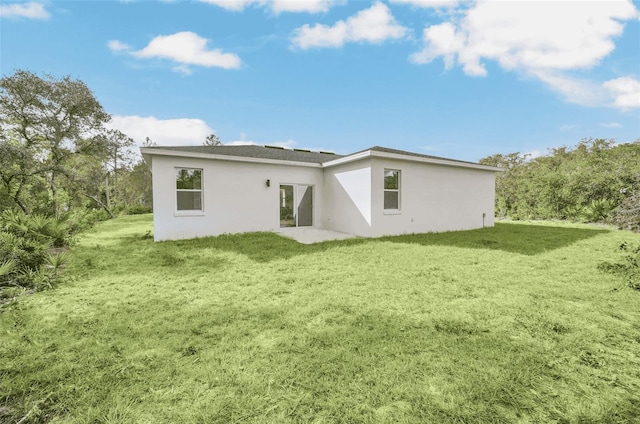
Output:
x=391 y=189
x=189 y=189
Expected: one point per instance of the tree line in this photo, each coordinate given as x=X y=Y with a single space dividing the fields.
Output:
x=597 y=180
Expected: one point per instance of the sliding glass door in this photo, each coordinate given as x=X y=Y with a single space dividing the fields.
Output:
x=296 y=205
x=287 y=215
x=305 y=206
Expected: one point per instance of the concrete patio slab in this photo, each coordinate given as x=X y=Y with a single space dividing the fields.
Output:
x=307 y=235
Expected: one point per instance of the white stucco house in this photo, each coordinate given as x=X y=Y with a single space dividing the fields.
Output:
x=202 y=191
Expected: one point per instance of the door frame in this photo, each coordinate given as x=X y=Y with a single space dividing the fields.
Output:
x=296 y=204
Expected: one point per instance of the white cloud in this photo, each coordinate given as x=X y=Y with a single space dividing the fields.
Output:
x=545 y=35
x=373 y=25
x=276 y=6
x=567 y=127
x=574 y=90
x=321 y=35
x=31 y=10
x=444 y=41
x=545 y=39
x=242 y=143
x=187 y=48
x=533 y=154
x=621 y=93
x=625 y=92
x=182 y=69
x=309 y=6
x=231 y=4
x=288 y=144
x=165 y=132
x=611 y=125
x=428 y=3
x=117 y=46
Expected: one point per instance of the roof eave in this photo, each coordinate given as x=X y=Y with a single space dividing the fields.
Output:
x=347 y=159
x=435 y=161
x=148 y=153
x=199 y=155
x=410 y=158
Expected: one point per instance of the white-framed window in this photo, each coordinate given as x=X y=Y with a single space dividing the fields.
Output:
x=189 y=189
x=391 y=190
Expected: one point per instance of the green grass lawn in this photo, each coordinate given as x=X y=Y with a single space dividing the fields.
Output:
x=507 y=324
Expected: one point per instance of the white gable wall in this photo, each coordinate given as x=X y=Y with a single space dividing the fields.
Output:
x=347 y=198
x=235 y=196
x=433 y=198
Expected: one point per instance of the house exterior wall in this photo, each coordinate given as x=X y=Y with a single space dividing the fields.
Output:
x=433 y=198
x=347 y=198
x=235 y=196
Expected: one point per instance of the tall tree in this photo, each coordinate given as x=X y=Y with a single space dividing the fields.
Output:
x=148 y=142
x=136 y=186
x=97 y=169
x=87 y=178
x=212 y=140
x=119 y=157
x=18 y=168
x=42 y=120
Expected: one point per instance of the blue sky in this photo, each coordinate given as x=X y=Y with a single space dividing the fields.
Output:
x=459 y=79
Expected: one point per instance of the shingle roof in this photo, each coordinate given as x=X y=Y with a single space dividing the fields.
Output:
x=261 y=152
x=294 y=155
x=420 y=155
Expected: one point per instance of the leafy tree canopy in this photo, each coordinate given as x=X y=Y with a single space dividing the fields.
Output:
x=55 y=151
x=593 y=181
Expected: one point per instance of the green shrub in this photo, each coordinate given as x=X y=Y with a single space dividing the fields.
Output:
x=7 y=267
x=10 y=293
x=628 y=267
x=598 y=210
x=55 y=231
x=82 y=220
x=25 y=252
x=574 y=213
x=31 y=249
x=627 y=215
x=137 y=209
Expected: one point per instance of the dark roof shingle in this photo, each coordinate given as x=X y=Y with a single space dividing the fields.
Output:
x=261 y=152
x=419 y=155
x=290 y=155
